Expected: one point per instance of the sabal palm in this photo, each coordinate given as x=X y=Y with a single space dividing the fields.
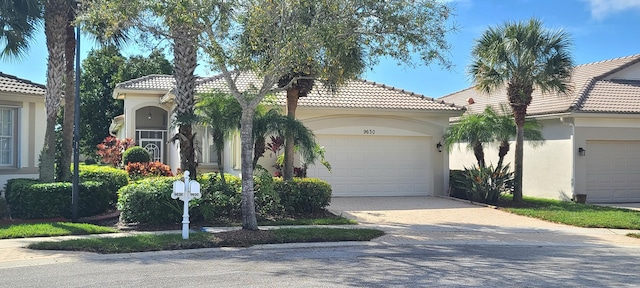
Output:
x=18 y=23
x=523 y=56
x=221 y=114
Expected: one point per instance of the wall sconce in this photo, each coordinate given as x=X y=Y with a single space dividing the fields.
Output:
x=439 y=147
x=149 y=116
x=581 y=151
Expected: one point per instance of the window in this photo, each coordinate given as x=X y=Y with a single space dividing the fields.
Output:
x=7 y=136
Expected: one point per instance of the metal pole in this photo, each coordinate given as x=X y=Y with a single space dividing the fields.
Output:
x=76 y=133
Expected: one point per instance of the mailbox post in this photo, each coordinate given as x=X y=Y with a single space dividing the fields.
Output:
x=185 y=191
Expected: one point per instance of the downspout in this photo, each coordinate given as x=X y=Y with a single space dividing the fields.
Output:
x=573 y=156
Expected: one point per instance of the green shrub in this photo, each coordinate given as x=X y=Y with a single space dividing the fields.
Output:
x=220 y=202
x=3 y=208
x=267 y=199
x=486 y=184
x=30 y=199
x=303 y=195
x=148 y=202
x=112 y=178
x=135 y=154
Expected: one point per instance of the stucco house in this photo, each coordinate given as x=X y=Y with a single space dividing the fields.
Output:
x=592 y=135
x=21 y=138
x=379 y=140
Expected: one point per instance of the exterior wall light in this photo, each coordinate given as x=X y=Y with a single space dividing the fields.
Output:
x=439 y=147
x=149 y=116
x=581 y=151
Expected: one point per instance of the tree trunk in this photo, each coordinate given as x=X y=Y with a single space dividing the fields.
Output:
x=502 y=151
x=249 y=221
x=289 y=143
x=479 y=153
x=64 y=168
x=221 y=166
x=519 y=112
x=54 y=28
x=185 y=62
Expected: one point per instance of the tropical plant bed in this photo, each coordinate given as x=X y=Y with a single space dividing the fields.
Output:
x=238 y=238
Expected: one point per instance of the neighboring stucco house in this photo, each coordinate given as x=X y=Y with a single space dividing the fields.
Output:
x=21 y=136
x=379 y=140
x=592 y=135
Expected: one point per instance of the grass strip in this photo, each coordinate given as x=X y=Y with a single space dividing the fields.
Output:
x=575 y=214
x=51 y=229
x=238 y=238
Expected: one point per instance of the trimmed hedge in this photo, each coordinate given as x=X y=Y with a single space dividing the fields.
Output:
x=30 y=199
x=112 y=178
x=148 y=202
x=303 y=195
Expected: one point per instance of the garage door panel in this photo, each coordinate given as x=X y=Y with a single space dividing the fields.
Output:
x=375 y=165
x=613 y=171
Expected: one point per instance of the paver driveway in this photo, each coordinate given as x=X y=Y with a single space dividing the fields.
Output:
x=416 y=220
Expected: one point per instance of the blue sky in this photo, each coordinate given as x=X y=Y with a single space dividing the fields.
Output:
x=600 y=29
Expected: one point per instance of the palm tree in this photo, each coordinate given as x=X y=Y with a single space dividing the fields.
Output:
x=474 y=129
x=523 y=56
x=56 y=13
x=504 y=129
x=18 y=23
x=221 y=113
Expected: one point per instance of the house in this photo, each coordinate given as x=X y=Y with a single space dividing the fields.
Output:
x=21 y=138
x=379 y=140
x=592 y=134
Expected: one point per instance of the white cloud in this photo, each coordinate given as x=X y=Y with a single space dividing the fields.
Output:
x=603 y=8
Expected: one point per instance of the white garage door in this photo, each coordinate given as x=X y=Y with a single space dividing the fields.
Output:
x=376 y=165
x=613 y=171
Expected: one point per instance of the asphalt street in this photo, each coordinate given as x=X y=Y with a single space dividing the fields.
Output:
x=357 y=265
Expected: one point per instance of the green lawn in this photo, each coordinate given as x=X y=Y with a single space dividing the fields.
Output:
x=581 y=215
x=239 y=238
x=51 y=229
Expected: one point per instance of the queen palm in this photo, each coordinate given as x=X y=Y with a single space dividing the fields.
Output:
x=504 y=129
x=221 y=114
x=473 y=129
x=522 y=56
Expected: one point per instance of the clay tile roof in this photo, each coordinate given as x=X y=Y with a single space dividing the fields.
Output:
x=149 y=82
x=591 y=92
x=354 y=94
x=13 y=84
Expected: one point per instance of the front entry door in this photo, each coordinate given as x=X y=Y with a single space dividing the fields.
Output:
x=153 y=142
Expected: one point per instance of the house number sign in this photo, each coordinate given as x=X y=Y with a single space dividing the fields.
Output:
x=369 y=131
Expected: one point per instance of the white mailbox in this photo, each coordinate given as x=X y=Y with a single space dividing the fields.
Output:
x=185 y=191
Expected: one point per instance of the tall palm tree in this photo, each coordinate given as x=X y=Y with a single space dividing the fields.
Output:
x=56 y=19
x=523 y=56
x=221 y=113
x=18 y=23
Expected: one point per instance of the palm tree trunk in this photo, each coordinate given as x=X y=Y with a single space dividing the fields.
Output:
x=64 y=168
x=502 y=152
x=221 y=167
x=54 y=29
x=185 y=62
x=289 y=143
x=249 y=221
x=478 y=151
x=519 y=113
